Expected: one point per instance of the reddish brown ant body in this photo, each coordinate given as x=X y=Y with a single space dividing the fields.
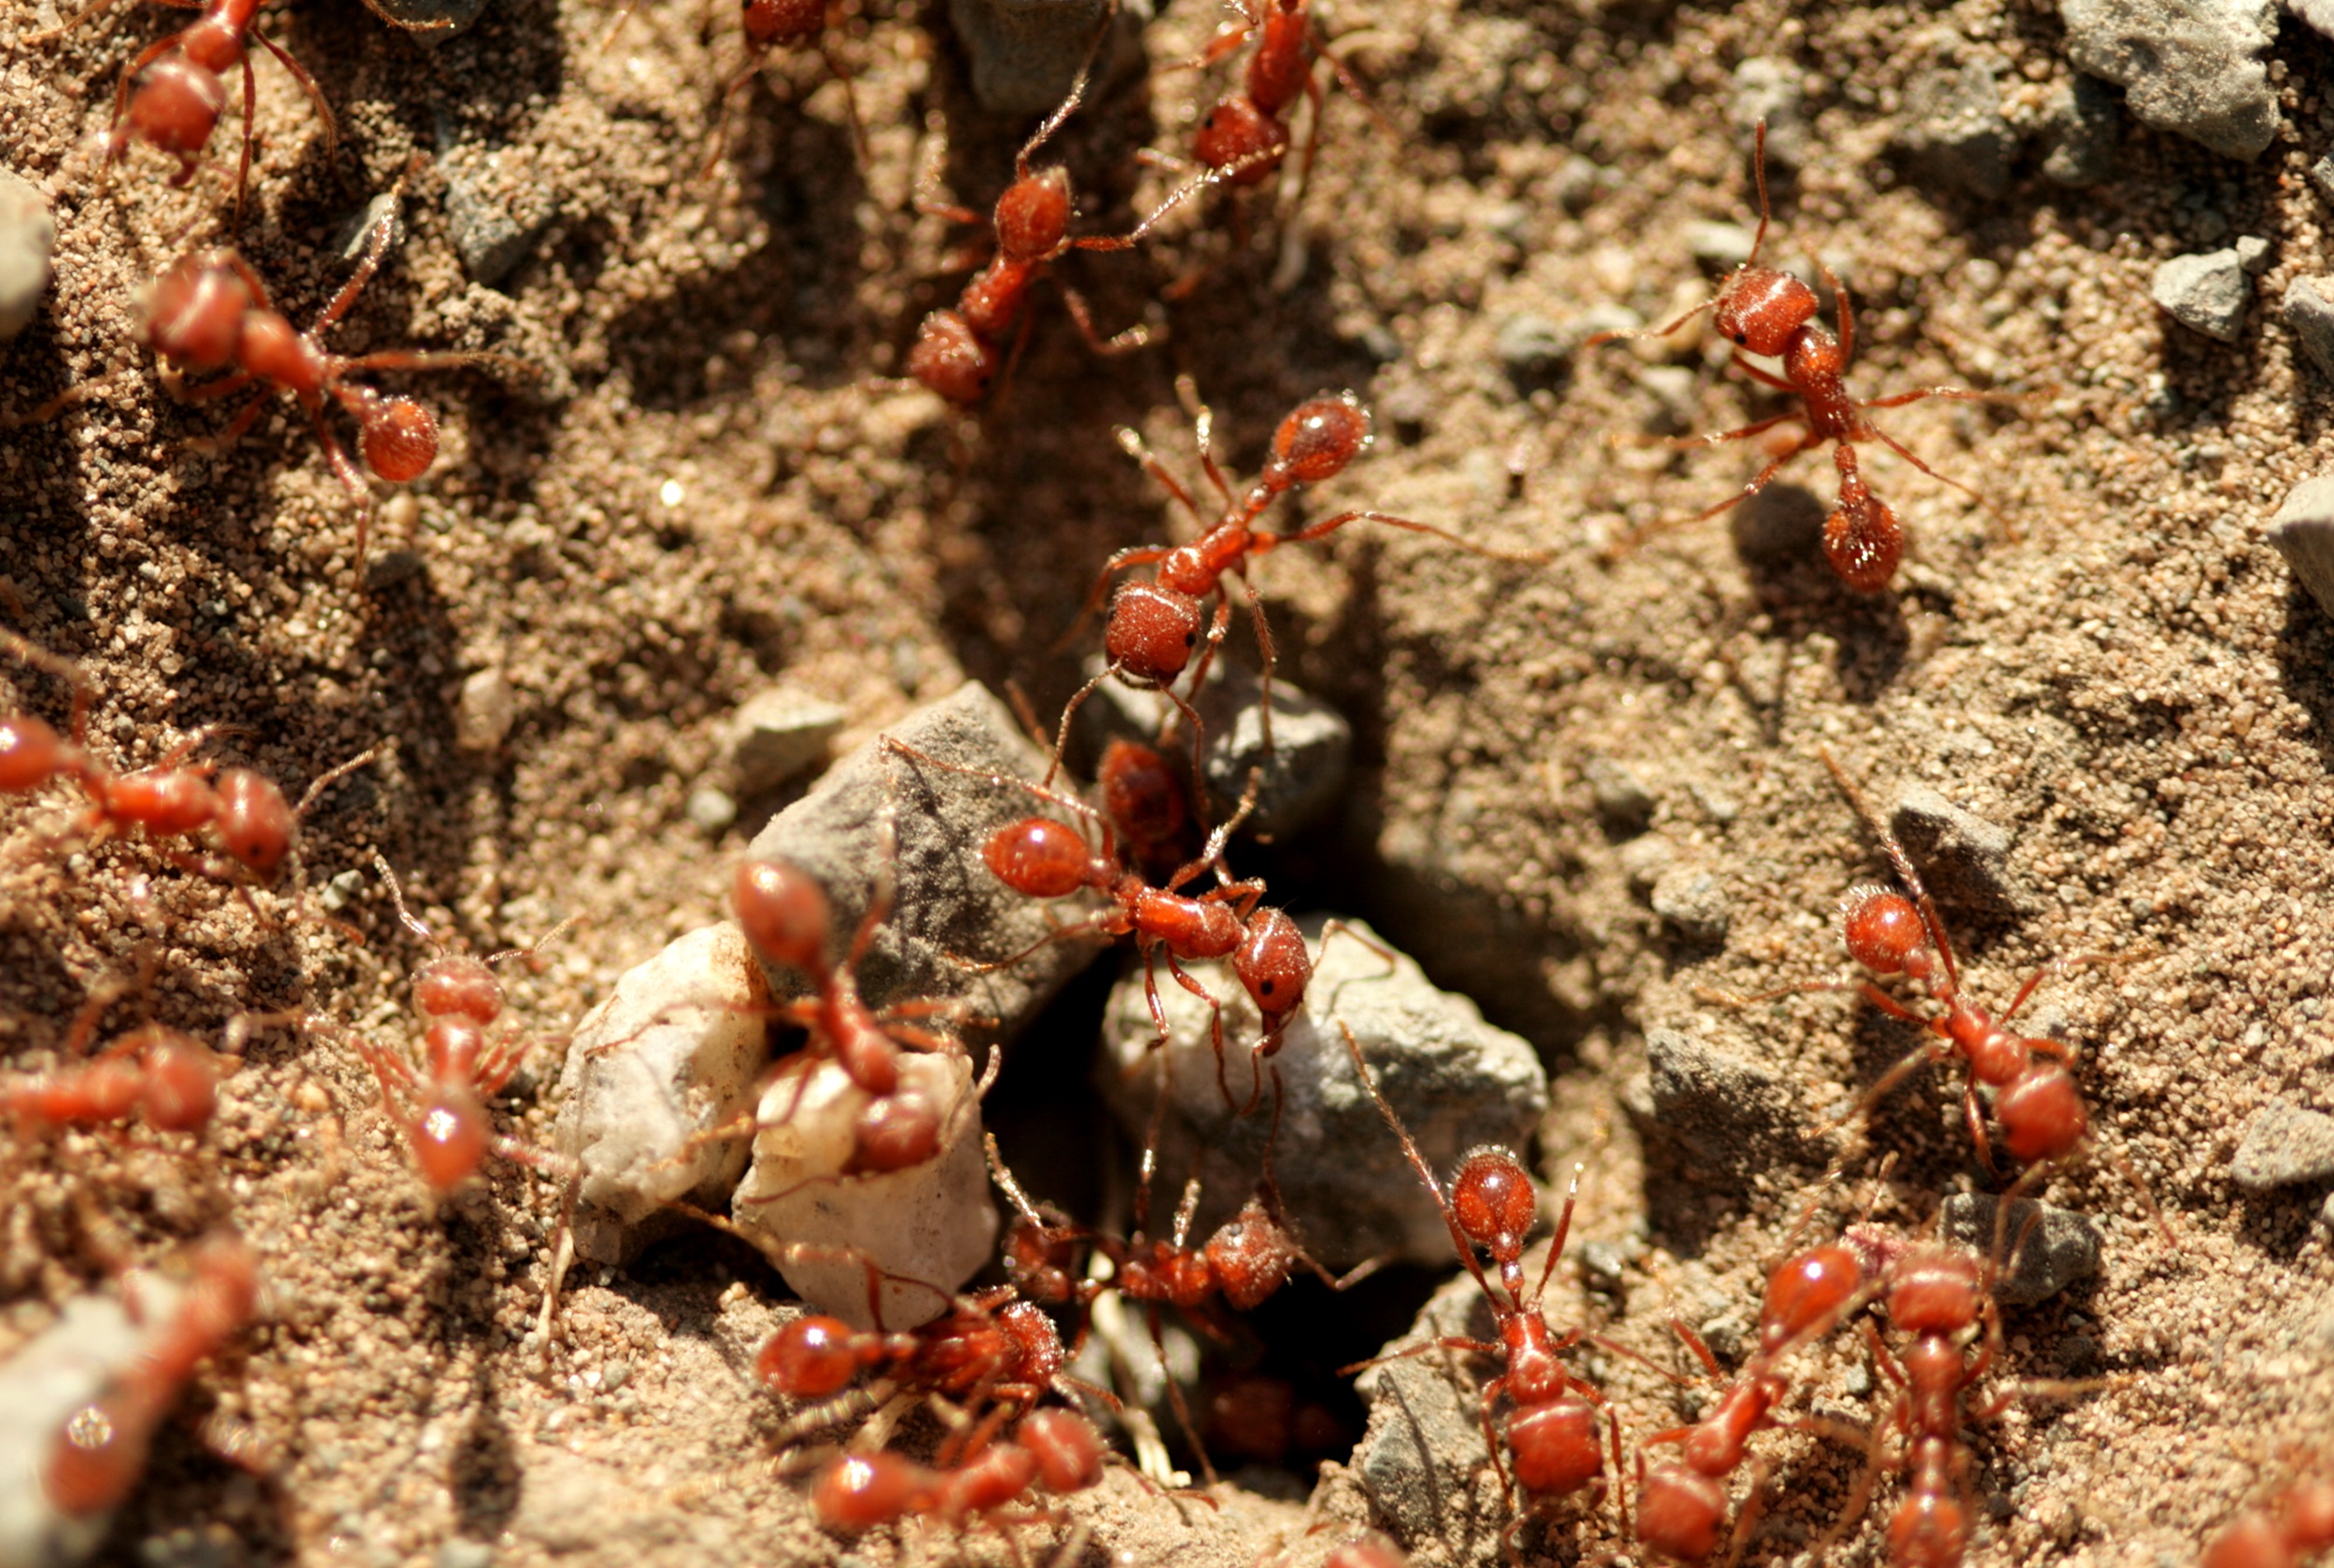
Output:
x=445 y=1121
x=1769 y=313
x=770 y=25
x=1155 y=626
x=1145 y=799
x=98 y=1456
x=2293 y=1526
x=210 y=311
x=1056 y=1450
x=173 y=96
x=1553 y=1446
x=786 y=919
x=992 y=1346
x=1245 y=136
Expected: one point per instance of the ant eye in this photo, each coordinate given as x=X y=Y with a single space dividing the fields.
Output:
x=1266 y=988
x=1742 y=337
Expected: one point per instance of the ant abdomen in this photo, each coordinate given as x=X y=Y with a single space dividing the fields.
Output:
x=1556 y=1447
x=950 y=359
x=1319 y=438
x=772 y=22
x=1679 y=1510
x=1068 y=1449
x=1039 y=858
x=31 y=753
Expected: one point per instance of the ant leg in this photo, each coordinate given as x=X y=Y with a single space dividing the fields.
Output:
x=2056 y=966
x=1138 y=555
x=1719 y=437
x=1149 y=1166
x=1902 y=451
x=1069 y=105
x=1134 y=446
x=1479 y=1347
x=1900 y=862
x=1599 y=338
x=1265 y=655
x=1974 y=1114
x=1846 y=313
x=1214 y=1030
x=242 y=160
x=886 y=882
x=1746 y=1517
x=1176 y=1399
x=851 y=94
x=1127 y=341
x=1763 y=377
x=331 y=777
x=1564 y=1228
x=1521 y=557
x=376 y=249
x=450 y=359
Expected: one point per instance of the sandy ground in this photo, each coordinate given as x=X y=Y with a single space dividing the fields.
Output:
x=707 y=486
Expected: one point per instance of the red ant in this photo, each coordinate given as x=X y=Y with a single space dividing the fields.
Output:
x=460 y=998
x=1041 y=858
x=1765 y=312
x=2296 y=1525
x=1551 y=1444
x=1145 y=799
x=210 y=311
x=1154 y=627
x=178 y=94
x=253 y=823
x=958 y=353
x=787 y=921
x=1244 y=137
x=994 y=1345
x=98 y=1455
x=1058 y=1451
x=772 y=24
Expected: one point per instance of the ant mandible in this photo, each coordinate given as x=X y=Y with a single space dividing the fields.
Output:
x=179 y=96
x=98 y=1456
x=1552 y=1442
x=1155 y=627
x=210 y=311
x=1766 y=312
x=460 y=999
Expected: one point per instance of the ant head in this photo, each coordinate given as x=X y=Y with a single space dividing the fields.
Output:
x=1251 y=1256
x=254 y=822
x=1241 y=138
x=399 y=439
x=1760 y=308
x=784 y=914
x=458 y=986
x=450 y=1138
x=1317 y=439
x=1557 y=1448
x=893 y=1132
x=1151 y=632
x=2041 y=1114
x=1033 y=215
x=769 y=23
x=181 y=1083
x=1068 y=1449
x=810 y=1358
x=1037 y=1343
x=1493 y=1202
x=1882 y=927
x=1804 y=1293
x=1273 y=966
x=859 y=1491
x=1039 y=858
x=950 y=359
x=1679 y=1510
x=1937 y=1292
x=1039 y=1260
x=194 y=312
x=178 y=105
x=31 y=754
x=1141 y=794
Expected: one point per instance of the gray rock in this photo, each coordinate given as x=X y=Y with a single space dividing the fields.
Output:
x=496 y=213
x=2283 y=1146
x=1722 y=1112
x=2319 y=14
x=778 y=734
x=2302 y=530
x=2308 y=312
x=460 y=1553
x=1455 y=1080
x=2081 y=132
x=1025 y=53
x=2062 y=1248
x=484 y=711
x=1624 y=803
x=2206 y=293
x=1297 y=781
x=1954 y=132
x=27 y=236
x=1532 y=349
x=1694 y=903
x=52 y=1375
x=1965 y=858
x=429 y=21
x=1769 y=88
x=2254 y=254
x=709 y=809
x=1721 y=246
x=669 y=1057
x=1643 y=859
x=1422 y=1458
x=2194 y=66
x=2321 y=175
x=949 y=910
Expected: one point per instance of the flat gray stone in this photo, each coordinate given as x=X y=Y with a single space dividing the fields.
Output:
x=780 y=734
x=1422 y=1459
x=1694 y=903
x=2193 y=66
x=1964 y=857
x=1455 y=1080
x=28 y=234
x=2062 y=1248
x=1953 y=129
x=2081 y=132
x=2302 y=530
x=1025 y=53
x=2283 y=1146
x=948 y=910
x=2207 y=293
x=2308 y=312
x=496 y=211
x=1721 y=1113
x=2319 y=14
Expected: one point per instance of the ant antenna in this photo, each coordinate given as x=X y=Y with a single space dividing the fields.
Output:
x=404 y=915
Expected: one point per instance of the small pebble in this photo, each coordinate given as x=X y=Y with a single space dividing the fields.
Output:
x=2302 y=530
x=27 y=236
x=779 y=733
x=2193 y=66
x=1953 y=129
x=2321 y=175
x=2062 y=1248
x=2206 y=293
x=1644 y=859
x=2308 y=312
x=2082 y=132
x=1963 y=855
x=1769 y=88
x=483 y=714
x=492 y=238
x=1532 y=349
x=1674 y=390
x=459 y=1553
x=1719 y=245
x=2283 y=1146
x=711 y=809
x=2254 y=254
x=1694 y=903
x=1624 y=804
x=1725 y=1110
